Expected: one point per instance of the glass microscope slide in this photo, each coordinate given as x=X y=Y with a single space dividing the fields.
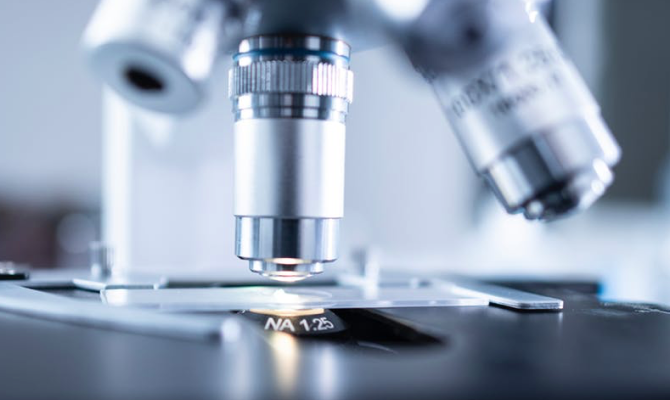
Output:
x=265 y=297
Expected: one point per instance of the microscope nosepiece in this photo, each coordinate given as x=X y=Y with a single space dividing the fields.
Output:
x=290 y=98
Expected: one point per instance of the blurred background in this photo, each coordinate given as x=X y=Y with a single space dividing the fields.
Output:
x=69 y=149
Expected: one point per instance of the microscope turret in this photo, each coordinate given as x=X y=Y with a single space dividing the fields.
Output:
x=526 y=120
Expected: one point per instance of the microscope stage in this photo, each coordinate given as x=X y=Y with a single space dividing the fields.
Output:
x=283 y=297
x=185 y=308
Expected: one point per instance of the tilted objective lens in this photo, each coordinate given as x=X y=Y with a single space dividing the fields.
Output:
x=521 y=111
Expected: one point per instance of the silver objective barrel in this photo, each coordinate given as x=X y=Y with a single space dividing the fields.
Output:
x=521 y=111
x=158 y=55
x=290 y=96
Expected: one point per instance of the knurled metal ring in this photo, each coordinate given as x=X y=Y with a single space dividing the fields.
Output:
x=287 y=76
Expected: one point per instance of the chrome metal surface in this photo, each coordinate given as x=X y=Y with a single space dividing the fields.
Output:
x=501 y=295
x=304 y=106
x=295 y=77
x=158 y=55
x=279 y=100
x=344 y=20
x=287 y=249
x=574 y=194
x=524 y=117
x=552 y=174
x=295 y=42
x=520 y=109
x=12 y=271
x=100 y=259
x=291 y=76
x=289 y=168
x=290 y=94
x=266 y=238
x=287 y=270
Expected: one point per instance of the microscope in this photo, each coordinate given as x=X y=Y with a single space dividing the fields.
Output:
x=522 y=114
x=525 y=120
x=524 y=117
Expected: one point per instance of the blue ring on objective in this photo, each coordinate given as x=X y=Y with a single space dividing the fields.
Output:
x=297 y=52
